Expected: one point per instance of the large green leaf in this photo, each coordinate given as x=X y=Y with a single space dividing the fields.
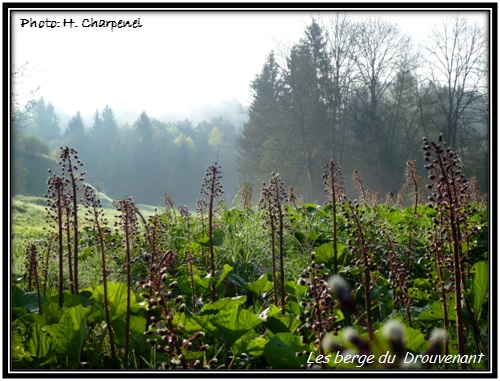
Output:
x=23 y=299
x=280 y=351
x=434 y=311
x=117 y=299
x=251 y=343
x=282 y=323
x=40 y=343
x=230 y=322
x=221 y=275
x=276 y=322
x=480 y=285
x=204 y=239
x=325 y=254
x=203 y=282
x=415 y=340
x=260 y=286
x=136 y=331
x=293 y=308
x=223 y=304
x=20 y=355
x=191 y=326
x=51 y=314
x=233 y=323
x=69 y=333
x=295 y=289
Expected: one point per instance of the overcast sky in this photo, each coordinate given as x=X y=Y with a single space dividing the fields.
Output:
x=175 y=63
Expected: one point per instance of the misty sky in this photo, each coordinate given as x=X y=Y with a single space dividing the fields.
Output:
x=177 y=63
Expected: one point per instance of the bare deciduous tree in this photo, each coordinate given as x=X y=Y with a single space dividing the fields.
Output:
x=340 y=37
x=456 y=57
x=381 y=52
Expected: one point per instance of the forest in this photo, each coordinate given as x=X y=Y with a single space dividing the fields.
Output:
x=355 y=92
x=343 y=225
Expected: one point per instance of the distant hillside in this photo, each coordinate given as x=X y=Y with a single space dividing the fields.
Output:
x=29 y=217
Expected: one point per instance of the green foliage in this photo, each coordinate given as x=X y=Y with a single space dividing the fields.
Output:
x=174 y=324
x=281 y=351
x=480 y=286
x=31 y=160
x=70 y=333
x=227 y=320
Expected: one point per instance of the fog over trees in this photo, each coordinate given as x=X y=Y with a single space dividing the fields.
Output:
x=357 y=92
x=143 y=160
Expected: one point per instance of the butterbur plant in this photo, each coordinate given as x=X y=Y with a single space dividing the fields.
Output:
x=397 y=260
x=334 y=190
x=212 y=188
x=273 y=199
x=169 y=207
x=186 y=216
x=70 y=166
x=157 y=294
x=318 y=315
x=413 y=181
x=449 y=198
x=128 y=223
x=201 y=207
x=167 y=337
x=294 y=199
x=360 y=186
x=475 y=193
x=164 y=332
x=265 y=203
x=32 y=267
x=362 y=245
x=368 y=197
x=245 y=193
x=62 y=208
x=153 y=256
x=99 y=223
x=45 y=267
x=56 y=199
x=68 y=229
x=443 y=266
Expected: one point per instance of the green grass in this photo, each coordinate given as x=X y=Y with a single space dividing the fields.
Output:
x=29 y=218
x=244 y=288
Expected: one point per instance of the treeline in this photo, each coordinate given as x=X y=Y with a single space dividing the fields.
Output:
x=144 y=160
x=356 y=92
x=360 y=93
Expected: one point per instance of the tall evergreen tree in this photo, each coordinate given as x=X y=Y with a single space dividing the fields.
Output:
x=75 y=134
x=304 y=100
x=263 y=119
x=45 y=120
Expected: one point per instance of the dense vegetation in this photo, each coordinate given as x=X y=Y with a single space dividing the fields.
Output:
x=330 y=271
x=271 y=285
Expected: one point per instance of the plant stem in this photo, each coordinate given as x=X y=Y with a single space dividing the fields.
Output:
x=74 y=199
x=68 y=242
x=59 y=195
x=129 y=286
x=105 y=284
x=211 y=240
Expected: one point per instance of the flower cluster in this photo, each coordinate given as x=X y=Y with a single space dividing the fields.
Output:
x=318 y=316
